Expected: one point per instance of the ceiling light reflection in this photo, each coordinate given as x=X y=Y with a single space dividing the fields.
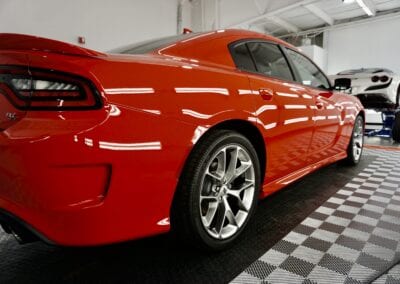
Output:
x=130 y=146
x=288 y=95
x=121 y=91
x=295 y=107
x=196 y=114
x=198 y=133
x=295 y=120
x=114 y=111
x=265 y=108
x=248 y=92
x=152 y=111
x=221 y=91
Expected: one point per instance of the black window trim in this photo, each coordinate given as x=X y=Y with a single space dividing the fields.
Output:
x=232 y=46
x=297 y=71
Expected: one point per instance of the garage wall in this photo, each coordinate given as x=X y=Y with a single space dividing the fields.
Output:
x=105 y=24
x=374 y=44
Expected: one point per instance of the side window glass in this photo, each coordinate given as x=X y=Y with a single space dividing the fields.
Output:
x=309 y=74
x=242 y=58
x=270 y=60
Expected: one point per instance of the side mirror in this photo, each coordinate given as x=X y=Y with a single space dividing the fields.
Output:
x=342 y=84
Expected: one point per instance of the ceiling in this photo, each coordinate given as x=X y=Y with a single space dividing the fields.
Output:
x=305 y=15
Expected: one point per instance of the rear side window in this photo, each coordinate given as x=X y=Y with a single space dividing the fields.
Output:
x=309 y=73
x=270 y=60
x=242 y=58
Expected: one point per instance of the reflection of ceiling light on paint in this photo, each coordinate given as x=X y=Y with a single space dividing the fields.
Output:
x=348 y=1
x=366 y=9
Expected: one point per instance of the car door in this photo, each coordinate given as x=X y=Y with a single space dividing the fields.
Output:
x=283 y=110
x=328 y=114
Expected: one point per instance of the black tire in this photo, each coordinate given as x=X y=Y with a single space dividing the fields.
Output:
x=352 y=158
x=186 y=220
x=396 y=128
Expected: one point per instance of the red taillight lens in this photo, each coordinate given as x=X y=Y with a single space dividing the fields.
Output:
x=375 y=79
x=47 y=90
x=384 y=78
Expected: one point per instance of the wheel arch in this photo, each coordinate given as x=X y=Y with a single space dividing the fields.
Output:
x=251 y=132
x=248 y=130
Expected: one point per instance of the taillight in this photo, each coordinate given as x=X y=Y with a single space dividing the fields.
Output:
x=384 y=78
x=47 y=90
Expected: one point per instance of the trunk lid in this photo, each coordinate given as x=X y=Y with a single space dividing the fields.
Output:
x=34 y=43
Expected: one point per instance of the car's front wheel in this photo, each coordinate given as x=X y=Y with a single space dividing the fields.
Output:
x=356 y=145
x=217 y=192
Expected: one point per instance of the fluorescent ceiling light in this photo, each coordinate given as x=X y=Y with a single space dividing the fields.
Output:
x=366 y=9
x=348 y=1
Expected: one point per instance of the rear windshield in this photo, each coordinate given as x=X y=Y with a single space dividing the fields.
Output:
x=151 y=45
x=365 y=70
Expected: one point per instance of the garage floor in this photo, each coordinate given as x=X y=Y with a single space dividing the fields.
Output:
x=354 y=237
x=349 y=220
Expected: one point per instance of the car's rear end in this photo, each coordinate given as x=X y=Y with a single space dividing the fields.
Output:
x=70 y=162
x=41 y=106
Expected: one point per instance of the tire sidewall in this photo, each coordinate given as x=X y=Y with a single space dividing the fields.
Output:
x=350 y=149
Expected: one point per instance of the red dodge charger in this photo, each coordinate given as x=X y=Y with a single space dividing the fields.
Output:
x=183 y=133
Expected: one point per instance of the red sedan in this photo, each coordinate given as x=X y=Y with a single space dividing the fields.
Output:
x=184 y=132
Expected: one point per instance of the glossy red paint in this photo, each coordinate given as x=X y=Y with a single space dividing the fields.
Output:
x=107 y=175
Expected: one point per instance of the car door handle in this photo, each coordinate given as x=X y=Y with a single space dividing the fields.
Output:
x=320 y=105
x=266 y=94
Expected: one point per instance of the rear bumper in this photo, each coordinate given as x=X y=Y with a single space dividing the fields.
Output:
x=77 y=199
x=68 y=191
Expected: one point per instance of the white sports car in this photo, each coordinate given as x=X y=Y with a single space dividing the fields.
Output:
x=378 y=89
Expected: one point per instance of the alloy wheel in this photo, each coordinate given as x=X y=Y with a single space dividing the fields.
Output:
x=358 y=139
x=227 y=191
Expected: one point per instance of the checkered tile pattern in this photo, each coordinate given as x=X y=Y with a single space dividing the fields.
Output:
x=354 y=237
x=391 y=277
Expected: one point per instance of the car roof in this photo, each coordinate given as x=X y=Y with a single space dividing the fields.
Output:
x=205 y=46
x=214 y=46
x=162 y=42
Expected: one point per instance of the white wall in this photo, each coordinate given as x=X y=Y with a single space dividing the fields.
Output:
x=374 y=44
x=105 y=24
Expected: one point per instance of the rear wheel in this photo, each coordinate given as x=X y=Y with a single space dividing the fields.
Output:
x=218 y=191
x=396 y=128
x=356 y=145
